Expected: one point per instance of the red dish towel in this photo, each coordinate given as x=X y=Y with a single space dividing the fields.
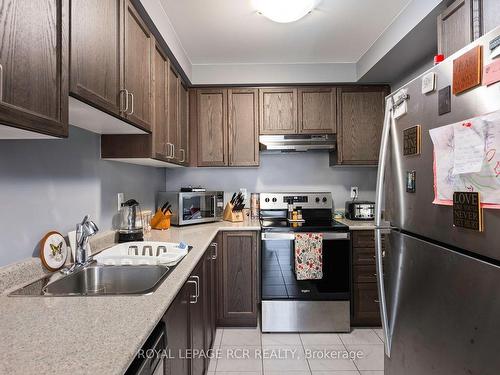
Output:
x=308 y=256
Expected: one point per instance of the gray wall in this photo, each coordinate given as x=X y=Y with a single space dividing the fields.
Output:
x=51 y=184
x=282 y=172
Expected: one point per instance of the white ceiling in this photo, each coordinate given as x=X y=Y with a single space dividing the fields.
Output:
x=231 y=32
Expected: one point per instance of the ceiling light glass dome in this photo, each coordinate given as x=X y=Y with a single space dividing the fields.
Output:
x=284 y=11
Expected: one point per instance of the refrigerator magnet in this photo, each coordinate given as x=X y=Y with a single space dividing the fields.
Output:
x=444 y=100
x=467 y=70
x=411 y=181
x=412 y=141
x=429 y=83
x=467 y=210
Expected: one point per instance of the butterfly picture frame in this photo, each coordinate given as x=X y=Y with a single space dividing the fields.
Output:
x=53 y=251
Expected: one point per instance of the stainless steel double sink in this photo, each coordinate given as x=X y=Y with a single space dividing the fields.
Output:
x=98 y=280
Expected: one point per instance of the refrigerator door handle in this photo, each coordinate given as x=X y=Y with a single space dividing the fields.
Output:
x=378 y=224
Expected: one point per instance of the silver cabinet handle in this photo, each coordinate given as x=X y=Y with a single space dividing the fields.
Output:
x=1 y=83
x=126 y=100
x=195 y=289
x=197 y=280
x=388 y=123
x=170 y=151
x=173 y=151
x=132 y=101
x=215 y=246
x=183 y=153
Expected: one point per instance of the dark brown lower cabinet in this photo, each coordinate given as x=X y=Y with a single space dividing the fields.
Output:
x=237 y=271
x=365 y=293
x=189 y=324
x=177 y=322
x=197 y=318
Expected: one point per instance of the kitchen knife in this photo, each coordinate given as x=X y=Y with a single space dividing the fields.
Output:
x=163 y=208
x=233 y=198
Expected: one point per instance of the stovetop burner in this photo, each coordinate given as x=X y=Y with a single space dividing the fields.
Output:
x=283 y=225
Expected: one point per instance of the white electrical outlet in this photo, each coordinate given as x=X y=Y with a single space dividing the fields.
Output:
x=354 y=192
x=120 y=199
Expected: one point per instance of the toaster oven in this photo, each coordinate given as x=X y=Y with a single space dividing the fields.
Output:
x=359 y=210
x=193 y=207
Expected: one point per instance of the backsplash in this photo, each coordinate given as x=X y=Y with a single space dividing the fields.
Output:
x=282 y=172
x=51 y=184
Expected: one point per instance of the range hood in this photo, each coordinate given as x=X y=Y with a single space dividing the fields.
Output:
x=297 y=143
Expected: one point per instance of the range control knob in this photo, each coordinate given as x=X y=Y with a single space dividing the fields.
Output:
x=267 y=200
x=324 y=199
x=274 y=200
x=317 y=199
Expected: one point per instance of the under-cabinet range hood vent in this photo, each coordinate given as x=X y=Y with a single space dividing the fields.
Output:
x=297 y=143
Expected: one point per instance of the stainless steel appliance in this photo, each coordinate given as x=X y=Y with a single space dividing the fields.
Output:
x=359 y=210
x=150 y=359
x=130 y=222
x=193 y=207
x=438 y=284
x=289 y=305
x=297 y=143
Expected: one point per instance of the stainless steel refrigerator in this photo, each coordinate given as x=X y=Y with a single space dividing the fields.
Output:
x=439 y=285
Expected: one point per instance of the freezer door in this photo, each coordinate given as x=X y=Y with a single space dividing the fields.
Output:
x=443 y=310
x=415 y=212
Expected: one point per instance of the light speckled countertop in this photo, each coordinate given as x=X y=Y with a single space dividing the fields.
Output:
x=358 y=225
x=94 y=335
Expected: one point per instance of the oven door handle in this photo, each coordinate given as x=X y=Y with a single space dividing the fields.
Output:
x=290 y=236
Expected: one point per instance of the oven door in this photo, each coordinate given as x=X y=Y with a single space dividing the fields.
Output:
x=278 y=269
x=197 y=208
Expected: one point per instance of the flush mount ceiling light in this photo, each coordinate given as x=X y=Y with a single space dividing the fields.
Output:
x=284 y=11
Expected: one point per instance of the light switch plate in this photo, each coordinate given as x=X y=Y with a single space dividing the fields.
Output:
x=354 y=192
x=120 y=199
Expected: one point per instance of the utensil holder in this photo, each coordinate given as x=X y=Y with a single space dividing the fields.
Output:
x=232 y=216
x=160 y=220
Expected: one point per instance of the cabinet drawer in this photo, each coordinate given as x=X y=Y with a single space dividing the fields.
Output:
x=363 y=256
x=365 y=274
x=363 y=238
x=366 y=306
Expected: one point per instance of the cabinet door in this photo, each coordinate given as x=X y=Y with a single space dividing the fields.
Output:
x=278 y=110
x=137 y=72
x=243 y=127
x=317 y=107
x=237 y=299
x=197 y=319
x=212 y=128
x=173 y=113
x=366 y=305
x=33 y=65
x=184 y=124
x=210 y=294
x=160 y=129
x=360 y=119
x=178 y=335
x=95 y=52
x=456 y=27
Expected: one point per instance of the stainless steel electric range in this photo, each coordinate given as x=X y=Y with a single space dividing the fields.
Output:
x=291 y=305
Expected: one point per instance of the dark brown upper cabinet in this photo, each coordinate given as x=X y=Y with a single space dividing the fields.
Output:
x=237 y=290
x=360 y=119
x=95 y=53
x=173 y=113
x=317 y=110
x=137 y=69
x=278 y=110
x=184 y=124
x=243 y=121
x=160 y=129
x=212 y=127
x=34 y=66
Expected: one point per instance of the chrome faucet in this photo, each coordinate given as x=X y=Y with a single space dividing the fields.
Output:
x=84 y=230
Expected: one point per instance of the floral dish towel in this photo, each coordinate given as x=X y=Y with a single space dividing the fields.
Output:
x=308 y=256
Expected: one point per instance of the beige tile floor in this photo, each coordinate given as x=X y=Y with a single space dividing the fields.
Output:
x=247 y=351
